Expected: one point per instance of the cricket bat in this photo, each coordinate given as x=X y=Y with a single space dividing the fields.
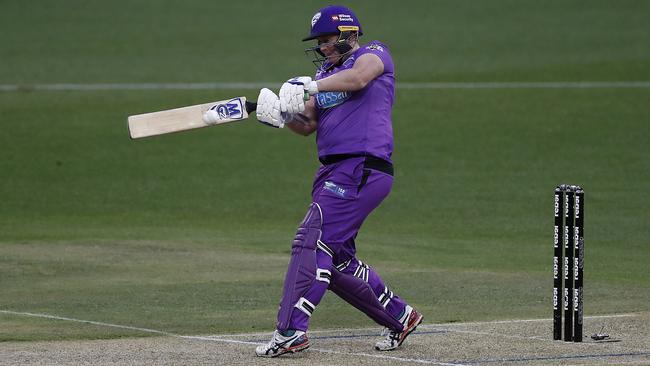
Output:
x=188 y=118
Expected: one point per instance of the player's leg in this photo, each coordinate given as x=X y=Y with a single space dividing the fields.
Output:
x=356 y=277
x=362 y=287
x=359 y=293
x=355 y=282
x=307 y=277
x=306 y=281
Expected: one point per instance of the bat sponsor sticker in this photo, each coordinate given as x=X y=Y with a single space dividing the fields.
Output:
x=232 y=109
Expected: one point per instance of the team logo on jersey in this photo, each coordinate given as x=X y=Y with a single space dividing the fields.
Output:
x=232 y=109
x=375 y=46
x=330 y=99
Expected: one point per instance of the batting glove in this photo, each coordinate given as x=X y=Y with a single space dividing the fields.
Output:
x=268 y=109
x=294 y=92
x=310 y=86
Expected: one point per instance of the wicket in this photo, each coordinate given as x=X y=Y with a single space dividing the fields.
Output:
x=569 y=227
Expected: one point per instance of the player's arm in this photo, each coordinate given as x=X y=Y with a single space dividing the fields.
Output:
x=366 y=68
x=305 y=123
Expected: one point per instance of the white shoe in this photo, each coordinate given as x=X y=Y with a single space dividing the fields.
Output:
x=280 y=344
x=411 y=320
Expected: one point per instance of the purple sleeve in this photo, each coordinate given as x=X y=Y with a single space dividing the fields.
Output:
x=379 y=49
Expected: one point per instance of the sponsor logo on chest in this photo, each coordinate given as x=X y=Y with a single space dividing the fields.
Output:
x=326 y=100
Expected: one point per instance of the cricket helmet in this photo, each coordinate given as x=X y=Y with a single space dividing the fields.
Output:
x=333 y=19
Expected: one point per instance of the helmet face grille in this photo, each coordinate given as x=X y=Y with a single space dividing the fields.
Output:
x=342 y=45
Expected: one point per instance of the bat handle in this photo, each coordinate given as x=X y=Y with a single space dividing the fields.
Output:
x=251 y=106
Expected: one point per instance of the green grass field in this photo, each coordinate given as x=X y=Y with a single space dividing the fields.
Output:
x=191 y=233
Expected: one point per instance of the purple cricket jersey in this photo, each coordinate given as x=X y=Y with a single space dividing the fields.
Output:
x=358 y=122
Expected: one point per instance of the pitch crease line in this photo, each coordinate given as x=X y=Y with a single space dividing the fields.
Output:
x=219 y=339
x=154 y=331
x=403 y=359
x=438 y=326
x=144 y=330
x=514 y=321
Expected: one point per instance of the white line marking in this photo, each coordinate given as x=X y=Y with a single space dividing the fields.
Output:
x=219 y=338
x=514 y=321
x=144 y=330
x=258 y=85
x=450 y=328
x=438 y=326
x=200 y=338
x=403 y=359
x=527 y=85
x=487 y=334
x=147 y=330
x=132 y=86
x=47 y=316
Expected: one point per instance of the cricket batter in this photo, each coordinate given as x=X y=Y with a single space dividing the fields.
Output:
x=349 y=108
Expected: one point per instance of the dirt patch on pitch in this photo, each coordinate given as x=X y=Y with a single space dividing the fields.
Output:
x=522 y=342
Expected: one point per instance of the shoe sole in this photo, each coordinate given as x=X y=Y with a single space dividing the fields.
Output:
x=411 y=329
x=294 y=349
x=298 y=348
x=408 y=331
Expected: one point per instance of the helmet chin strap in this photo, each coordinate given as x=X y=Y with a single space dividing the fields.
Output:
x=344 y=47
x=341 y=58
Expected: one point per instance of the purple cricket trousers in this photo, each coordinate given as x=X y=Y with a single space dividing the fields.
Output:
x=347 y=191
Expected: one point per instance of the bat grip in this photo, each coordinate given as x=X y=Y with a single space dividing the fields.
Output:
x=251 y=106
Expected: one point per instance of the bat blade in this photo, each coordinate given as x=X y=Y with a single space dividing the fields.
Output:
x=187 y=118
